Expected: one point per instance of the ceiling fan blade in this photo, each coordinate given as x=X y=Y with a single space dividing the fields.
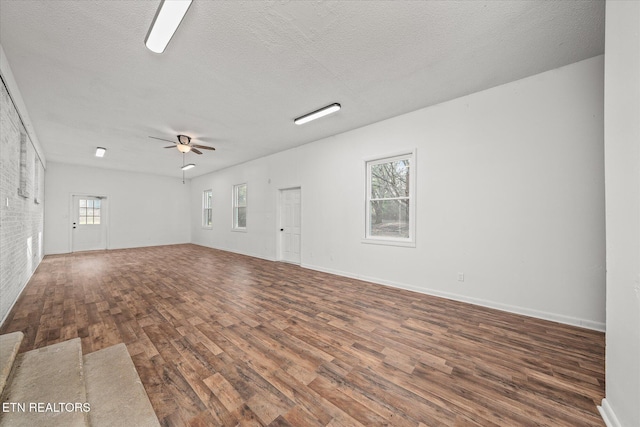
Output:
x=195 y=150
x=170 y=146
x=204 y=147
x=162 y=139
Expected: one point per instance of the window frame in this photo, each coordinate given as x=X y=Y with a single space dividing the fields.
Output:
x=23 y=184
x=235 y=206
x=36 y=180
x=409 y=241
x=207 y=196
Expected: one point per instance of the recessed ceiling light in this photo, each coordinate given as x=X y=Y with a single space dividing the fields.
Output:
x=187 y=167
x=165 y=24
x=317 y=114
x=100 y=151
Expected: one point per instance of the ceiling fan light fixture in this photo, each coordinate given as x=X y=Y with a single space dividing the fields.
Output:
x=183 y=148
x=168 y=17
x=317 y=114
x=187 y=167
x=100 y=151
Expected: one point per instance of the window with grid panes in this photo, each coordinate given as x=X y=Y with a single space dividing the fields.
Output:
x=90 y=212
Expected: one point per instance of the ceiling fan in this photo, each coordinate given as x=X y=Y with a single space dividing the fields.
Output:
x=184 y=144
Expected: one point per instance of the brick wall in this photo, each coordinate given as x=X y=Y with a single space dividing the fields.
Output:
x=21 y=205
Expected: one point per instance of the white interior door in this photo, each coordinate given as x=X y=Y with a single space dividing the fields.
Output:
x=290 y=219
x=89 y=229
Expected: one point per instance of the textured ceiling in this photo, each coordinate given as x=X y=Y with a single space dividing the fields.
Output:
x=237 y=73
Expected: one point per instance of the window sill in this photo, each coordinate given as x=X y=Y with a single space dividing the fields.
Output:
x=389 y=242
x=239 y=230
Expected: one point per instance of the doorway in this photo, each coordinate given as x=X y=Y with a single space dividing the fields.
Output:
x=89 y=223
x=290 y=225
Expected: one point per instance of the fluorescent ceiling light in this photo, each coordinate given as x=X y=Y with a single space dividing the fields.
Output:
x=189 y=166
x=100 y=151
x=317 y=114
x=165 y=24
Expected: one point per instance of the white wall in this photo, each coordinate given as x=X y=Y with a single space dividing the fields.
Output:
x=144 y=210
x=510 y=191
x=622 y=152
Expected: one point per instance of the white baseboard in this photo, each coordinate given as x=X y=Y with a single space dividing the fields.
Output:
x=607 y=414
x=568 y=320
x=235 y=251
x=584 y=323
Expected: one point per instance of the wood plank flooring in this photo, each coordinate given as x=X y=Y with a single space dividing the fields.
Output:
x=221 y=339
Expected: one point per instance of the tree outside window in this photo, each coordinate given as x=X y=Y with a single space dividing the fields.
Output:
x=389 y=198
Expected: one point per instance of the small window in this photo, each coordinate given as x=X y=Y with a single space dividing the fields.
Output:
x=390 y=200
x=207 y=211
x=89 y=212
x=240 y=207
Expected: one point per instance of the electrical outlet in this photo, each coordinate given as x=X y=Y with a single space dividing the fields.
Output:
x=460 y=277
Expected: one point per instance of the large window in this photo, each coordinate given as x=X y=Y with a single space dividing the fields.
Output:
x=390 y=200
x=240 y=207
x=207 y=211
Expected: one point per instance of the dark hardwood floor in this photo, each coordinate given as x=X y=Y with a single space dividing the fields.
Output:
x=221 y=339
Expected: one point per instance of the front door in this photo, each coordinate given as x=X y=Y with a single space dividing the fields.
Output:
x=89 y=229
x=290 y=213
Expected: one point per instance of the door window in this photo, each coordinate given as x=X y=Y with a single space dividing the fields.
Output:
x=89 y=212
